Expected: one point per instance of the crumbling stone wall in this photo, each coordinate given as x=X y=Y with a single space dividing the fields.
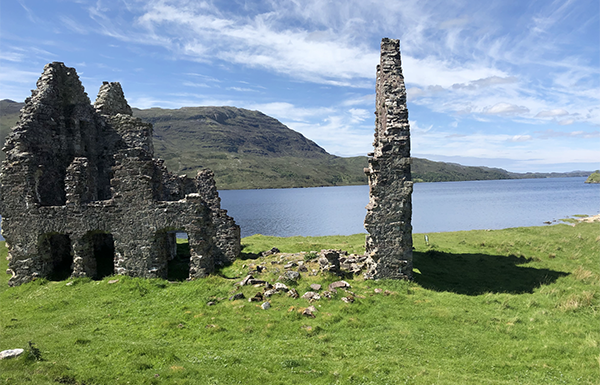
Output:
x=389 y=212
x=82 y=194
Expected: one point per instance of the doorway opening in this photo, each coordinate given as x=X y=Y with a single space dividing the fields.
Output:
x=103 y=249
x=56 y=251
x=178 y=267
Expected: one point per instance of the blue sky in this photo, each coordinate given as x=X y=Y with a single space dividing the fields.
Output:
x=512 y=84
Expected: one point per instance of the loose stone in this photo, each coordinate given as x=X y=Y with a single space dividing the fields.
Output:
x=274 y=250
x=293 y=293
x=237 y=296
x=245 y=281
x=10 y=353
x=339 y=285
x=257 y=298
x=280 y=287
x=291 y=275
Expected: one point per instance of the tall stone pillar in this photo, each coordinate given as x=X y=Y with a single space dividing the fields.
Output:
x=389 y=212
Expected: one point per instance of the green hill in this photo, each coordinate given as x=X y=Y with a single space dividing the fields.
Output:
x=424 y=170
x=9 y=116
x=594 y=177
x=248 y=149
x=245 y=149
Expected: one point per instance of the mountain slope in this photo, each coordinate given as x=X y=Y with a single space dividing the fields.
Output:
x=245 y=149
x=248 y=149
x=9 y=116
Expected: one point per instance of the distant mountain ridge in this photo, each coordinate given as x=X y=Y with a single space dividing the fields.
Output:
x=248 y=149
x=245 y=149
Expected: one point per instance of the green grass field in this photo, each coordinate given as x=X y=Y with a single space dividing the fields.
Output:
x=513 y=306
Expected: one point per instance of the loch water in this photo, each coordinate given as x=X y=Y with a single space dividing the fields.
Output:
x=437 y=207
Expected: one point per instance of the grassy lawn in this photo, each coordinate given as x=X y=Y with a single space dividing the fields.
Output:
x=513 y=306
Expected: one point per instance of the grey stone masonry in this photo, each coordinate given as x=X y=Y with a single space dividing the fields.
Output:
x=83 y=196
x=389 y=212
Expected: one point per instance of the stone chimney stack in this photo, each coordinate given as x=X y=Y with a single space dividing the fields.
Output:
x=389 y=212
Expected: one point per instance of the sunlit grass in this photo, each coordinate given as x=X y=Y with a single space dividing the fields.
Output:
x=485 y=307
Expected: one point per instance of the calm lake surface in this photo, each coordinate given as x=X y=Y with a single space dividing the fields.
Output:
x=437 y=207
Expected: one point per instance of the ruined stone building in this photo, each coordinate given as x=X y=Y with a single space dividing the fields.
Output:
x=389 y=212
x=82 y=194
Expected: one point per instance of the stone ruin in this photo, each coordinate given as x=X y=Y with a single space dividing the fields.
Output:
x=389 y=212
x=83 y=196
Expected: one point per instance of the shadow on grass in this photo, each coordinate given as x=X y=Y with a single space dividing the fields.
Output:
x=474 y=274
x=245 y=256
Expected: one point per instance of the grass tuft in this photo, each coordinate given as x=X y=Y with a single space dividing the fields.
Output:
x=578 y=301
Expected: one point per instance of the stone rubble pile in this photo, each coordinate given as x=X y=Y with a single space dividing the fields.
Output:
x=327 y=262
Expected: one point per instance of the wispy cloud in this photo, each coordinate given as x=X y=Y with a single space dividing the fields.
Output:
x=195 y=84
x=73 y=25
x=497 y=80
x=550 y=133
x=552 y=113
x=30 y=15
x=288 y=111
x=241 y=89
x=506 y=109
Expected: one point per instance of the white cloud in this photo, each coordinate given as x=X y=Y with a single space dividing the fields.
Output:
x=195 y=84
x=241 y=89
x=464 y=65
x=552 y=113
x=550 y=133
x=73 y=25
x=486 y=82
x=337 y=135
x=359 y=100
x=566 y=122
x=506 y=109
x=522 y=151
x=18 y=76
x=260 y=42
x=432 y=71
x=13 y=56
x=520 y=138
x=358 y=115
